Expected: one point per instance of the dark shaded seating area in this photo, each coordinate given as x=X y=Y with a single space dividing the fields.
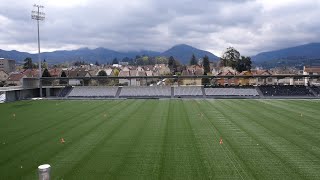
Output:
x=316 y=89
x=285 y=91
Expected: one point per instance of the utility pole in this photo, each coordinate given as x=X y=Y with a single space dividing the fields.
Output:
x=38 y=16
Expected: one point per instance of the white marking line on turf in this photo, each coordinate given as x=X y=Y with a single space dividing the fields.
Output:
x=227 y=149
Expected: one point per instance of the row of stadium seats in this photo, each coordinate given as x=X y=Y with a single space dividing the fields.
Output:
x=285 y=91
x=155 y=91
x=93 y=91
x=151 y=91
x=188 y=91
x=231 y=92
x=316 y=89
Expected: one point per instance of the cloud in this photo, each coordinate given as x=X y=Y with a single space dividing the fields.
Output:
x=251 y=26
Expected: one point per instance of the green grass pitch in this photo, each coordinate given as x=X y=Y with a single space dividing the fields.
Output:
x=161 y=139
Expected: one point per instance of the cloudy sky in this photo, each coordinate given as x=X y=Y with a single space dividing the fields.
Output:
x=251 y=26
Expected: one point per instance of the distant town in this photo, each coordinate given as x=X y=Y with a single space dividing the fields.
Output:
x=230 y=64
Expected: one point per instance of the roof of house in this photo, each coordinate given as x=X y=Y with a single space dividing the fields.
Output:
x=261 y=72
x=4 y=72
x=198 y=72
x=149 y=73
x=94 y=72
x=124 y=73
x=109 y=71
x=16 y=77
x=186 y=73
x=56 y=72
x=133 y=73
x=141 y=73
x=77 y=73
x=314 y=69
x=226 y=73
x=31 y=72
x=245 y=73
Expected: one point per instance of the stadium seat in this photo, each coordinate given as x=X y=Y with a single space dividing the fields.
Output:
x=93 y=91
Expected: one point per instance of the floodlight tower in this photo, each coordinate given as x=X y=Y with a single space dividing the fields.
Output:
x=38 y=16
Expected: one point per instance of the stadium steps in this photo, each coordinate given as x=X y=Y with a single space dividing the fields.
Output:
x=2 y=97
x=203 y=92
x=69 y=92
x=172 y=92
x=118 y=92
x=259 y=92
x=312 y=91
x=65 y=92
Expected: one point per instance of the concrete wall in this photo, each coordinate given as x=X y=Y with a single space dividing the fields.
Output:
x=52 y=92
x=30 y=83
x=21 y=94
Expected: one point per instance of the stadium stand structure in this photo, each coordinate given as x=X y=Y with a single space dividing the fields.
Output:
x=146 y=91
x=285 y=91
x=231 y=91
x=316 y=90
x=65 y=91
x=93 y=91
x=188 y=91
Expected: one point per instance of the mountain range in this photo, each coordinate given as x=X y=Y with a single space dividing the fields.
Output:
x=180 y=52
x=300 y=55
x=307 y=54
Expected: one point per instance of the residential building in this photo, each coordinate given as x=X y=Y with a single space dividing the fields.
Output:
x=311 y=70
x=3 y=75
x=124 y=81
x=263 y=81
x=227 y=81
x=16 y=79
x=7 y=65
x=74 y=73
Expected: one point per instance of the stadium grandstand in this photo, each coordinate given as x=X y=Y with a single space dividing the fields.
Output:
x=161 y=87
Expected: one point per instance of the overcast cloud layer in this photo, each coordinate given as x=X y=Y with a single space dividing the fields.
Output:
x=251 y=26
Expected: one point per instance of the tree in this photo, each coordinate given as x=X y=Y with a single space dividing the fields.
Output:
x=206 y=64
x=79 y=63
x=115 y=61
x=172 y=64
x=230 y=57
x=102 y=73
x=205 y=81
x=116 y=72
x=28 y=63
x=161 y=60
x=63 y=74
x=193 y=60
x=244 y=64
x=44 y=64
x=46 y=73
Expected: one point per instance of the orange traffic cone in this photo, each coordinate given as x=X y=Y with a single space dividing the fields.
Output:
x=221 y=141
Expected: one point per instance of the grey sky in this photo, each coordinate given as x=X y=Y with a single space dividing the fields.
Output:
x=251 y=26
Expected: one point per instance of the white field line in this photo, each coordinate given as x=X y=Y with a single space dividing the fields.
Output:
x=226 y=148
